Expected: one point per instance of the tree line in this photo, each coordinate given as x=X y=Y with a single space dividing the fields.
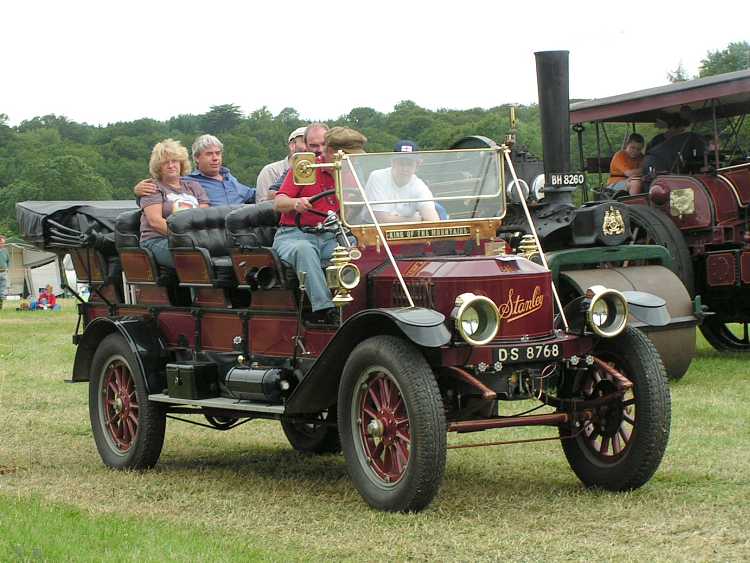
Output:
x=53 y=158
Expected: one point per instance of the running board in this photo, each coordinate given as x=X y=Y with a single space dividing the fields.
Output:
x=219 y=403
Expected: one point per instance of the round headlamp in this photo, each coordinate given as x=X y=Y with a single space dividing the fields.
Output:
x=607 y=314
x=476 y=318
x=348 y=276
x=512 y=191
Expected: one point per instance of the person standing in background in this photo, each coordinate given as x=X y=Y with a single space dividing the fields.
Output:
x=4 y=265
x=275 y=170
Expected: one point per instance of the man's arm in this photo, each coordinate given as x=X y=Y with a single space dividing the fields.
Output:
x=285 y=204
x=145 y=187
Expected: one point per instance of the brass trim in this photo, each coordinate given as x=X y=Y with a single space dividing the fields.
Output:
x=732 y=187
x=613 y=223
x=681 y=202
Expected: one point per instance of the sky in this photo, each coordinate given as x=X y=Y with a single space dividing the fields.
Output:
x=103 y=61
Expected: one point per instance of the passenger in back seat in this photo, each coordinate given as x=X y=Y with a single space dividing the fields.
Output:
x=169 y=163
x=218 y=182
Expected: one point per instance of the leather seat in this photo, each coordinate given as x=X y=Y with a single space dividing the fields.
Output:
x=252 y=226
x=128 y=229
x=202 y=232
x=138 y=263
x=251 y=230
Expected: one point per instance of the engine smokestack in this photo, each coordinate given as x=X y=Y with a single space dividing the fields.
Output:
x=554 y=108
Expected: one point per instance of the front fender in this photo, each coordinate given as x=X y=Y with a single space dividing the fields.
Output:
x=318 y=390
x=143 y=339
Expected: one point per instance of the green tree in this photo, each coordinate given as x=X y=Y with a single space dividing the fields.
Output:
x=65 y=178
x=735 y=57
x=222 y=118
x=678 y=75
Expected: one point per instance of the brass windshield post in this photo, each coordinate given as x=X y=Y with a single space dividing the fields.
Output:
x=532 y=228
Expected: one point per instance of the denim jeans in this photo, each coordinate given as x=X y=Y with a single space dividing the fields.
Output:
x=306 y=252
x=159 y=247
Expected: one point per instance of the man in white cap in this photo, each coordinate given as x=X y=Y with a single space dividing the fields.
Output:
x=275 y=170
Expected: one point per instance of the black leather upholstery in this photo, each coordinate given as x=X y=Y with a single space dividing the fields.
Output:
x=200 y=228
x=128 y=229
x=252 y=226
x=204 y=229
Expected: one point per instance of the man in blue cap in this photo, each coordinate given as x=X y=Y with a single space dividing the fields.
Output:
x=399 y=182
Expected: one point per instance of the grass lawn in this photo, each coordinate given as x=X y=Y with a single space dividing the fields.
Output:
x=246 y=495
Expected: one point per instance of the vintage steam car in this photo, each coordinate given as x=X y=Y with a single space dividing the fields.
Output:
x=695 y=201
x=443 y=328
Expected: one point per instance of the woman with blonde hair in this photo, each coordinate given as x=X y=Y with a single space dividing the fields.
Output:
x=169 y=163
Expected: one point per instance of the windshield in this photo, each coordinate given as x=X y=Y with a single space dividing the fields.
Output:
x=423 y=186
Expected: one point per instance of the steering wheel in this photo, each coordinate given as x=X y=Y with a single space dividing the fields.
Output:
x=313 y=199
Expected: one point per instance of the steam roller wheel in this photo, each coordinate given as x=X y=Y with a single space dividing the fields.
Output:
x=675 y=341
x=650 y=226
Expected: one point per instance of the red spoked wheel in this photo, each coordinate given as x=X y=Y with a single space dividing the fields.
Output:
x=383 y=425
x=392 y=424
x=128 y=428
x=622 y=443
x=119 y=405
x=609 y=433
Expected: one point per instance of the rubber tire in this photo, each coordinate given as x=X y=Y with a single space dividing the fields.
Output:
x=149 y=440
x=427 y=426
x=324 y=439
x=636 y=357
x=665 y=233
x=717 y=334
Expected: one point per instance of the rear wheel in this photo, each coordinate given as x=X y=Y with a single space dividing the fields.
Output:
x=128 y=428
x=392 y=425
x=724 y=337
x=313 y=437
x=623 y=443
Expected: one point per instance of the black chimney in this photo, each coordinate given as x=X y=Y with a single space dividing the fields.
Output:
x=554 y=110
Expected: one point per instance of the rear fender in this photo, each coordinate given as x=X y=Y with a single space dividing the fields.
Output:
x=318 y=390
x=141 y=336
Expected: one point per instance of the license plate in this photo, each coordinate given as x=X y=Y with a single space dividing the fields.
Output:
x=530 y=353
x=560 y=179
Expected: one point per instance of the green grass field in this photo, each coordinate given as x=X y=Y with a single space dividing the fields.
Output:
x=246 y=495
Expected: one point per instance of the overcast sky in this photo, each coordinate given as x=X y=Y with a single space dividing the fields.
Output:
x=101 y=61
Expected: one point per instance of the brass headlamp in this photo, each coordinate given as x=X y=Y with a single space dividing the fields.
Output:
x=342 y=276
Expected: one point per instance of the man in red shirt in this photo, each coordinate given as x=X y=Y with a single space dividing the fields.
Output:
x=625 y=168
x=307 y=251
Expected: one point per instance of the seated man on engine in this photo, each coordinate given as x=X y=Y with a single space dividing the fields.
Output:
x=399 y=182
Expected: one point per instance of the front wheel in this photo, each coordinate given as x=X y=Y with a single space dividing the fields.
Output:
x=623 y=443
x=128 y=428
x=392 y=425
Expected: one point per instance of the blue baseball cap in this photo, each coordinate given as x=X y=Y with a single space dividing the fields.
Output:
x=406 y=146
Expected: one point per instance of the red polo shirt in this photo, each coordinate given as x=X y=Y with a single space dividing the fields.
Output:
x=323 y=182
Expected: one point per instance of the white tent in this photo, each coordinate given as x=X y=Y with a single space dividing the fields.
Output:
x=31 y=269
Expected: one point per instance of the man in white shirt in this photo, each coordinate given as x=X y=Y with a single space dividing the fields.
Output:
x=275 y=170
x=399 y=182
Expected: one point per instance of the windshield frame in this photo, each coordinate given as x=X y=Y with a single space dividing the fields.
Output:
x=347 y=164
